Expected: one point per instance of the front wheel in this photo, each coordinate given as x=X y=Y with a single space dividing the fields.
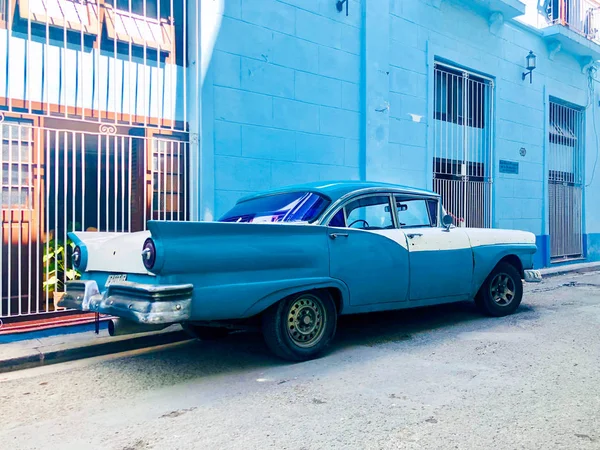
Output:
x=300 y=327
x=501 y=292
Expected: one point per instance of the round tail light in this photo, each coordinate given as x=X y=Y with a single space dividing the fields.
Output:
x=149 y=254
x=76 y=257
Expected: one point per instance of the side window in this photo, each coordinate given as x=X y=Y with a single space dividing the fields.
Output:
x=433 y=211
x=414 y=213
x=338 y=219
x=369 y=213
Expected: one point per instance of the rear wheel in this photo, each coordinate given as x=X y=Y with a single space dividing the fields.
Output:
x=501 y=292
x=206 y=333
x=300 y=327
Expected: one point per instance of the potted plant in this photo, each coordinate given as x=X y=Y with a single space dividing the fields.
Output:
x=57 y=269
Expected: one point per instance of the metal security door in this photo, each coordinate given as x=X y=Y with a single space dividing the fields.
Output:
x=21 y=206
x=54 y=181
x=565 y=181
x=462 y=172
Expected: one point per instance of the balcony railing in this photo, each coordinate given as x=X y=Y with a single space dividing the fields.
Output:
x=580 y=16
x=120 y=61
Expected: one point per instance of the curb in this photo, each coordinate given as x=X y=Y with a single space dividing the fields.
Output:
x=74 y=352
x=575 y=268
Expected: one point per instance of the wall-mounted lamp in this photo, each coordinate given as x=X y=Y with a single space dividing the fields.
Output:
x=530 y=65
x=340 y=4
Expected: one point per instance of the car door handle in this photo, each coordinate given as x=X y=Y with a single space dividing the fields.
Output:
x=337 y=235
x=413 y=235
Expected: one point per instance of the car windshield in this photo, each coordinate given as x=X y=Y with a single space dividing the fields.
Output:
x=288 y=207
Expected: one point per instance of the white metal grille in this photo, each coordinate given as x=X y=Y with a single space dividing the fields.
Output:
x=117 y=61
x=462 y=172
x=565 y=181
x=56 y=180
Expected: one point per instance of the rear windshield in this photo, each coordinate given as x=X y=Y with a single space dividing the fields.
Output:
x=288 y=207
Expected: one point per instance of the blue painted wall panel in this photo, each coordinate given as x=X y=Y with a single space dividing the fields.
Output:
x=593 y=246
x=541 y=258
x=352 y=153
x=339 y=64
x=318 y=29
x=233 y=8
x=227 y=69
x=270 y=14
x=339 y=122
x=259 y=76
x=245 y=39
x=228 y=138
x=234 y=105
x=408 y=82
x=268 y=143
x=295 y=115
x=318 y=89
x=242 y=174
x=350 y=96
x=320 y=149
x=294 y=53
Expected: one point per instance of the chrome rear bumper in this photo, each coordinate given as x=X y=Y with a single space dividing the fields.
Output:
x=141 y=303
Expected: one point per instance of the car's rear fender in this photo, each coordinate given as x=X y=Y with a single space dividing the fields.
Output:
x=287 y=288
x=240 y=269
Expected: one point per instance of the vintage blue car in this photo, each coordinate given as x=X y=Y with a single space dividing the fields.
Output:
x=292 y=260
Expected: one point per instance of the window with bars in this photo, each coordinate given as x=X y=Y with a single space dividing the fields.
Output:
x=127 y=26
x=459 y=97
x=451 y=169
x=565 y=126
x=562 y=126
x=17 y=165
x=72 y=15
x=141 y=24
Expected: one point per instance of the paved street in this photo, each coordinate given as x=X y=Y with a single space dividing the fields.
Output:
x=435 y=378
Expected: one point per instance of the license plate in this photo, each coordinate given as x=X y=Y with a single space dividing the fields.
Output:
x=114 y=279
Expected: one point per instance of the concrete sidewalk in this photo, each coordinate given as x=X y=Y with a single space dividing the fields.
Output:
x=32 y=350
x=570 y=268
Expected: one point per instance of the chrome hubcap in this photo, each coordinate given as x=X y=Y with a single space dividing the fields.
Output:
x=502 y=289
x=305 y=321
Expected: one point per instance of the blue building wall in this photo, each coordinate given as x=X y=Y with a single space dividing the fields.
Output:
x=286 y=104
x=296 y=91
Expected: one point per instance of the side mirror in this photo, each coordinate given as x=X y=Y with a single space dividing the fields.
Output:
x=447 y=221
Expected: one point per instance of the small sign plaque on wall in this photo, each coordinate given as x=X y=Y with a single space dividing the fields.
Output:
x=511 y=167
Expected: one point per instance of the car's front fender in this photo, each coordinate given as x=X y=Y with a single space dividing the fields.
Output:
x=487 y=257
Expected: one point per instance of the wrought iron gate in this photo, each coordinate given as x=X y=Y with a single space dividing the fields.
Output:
x=462 y=172
x=57 y=180
x=565 y=181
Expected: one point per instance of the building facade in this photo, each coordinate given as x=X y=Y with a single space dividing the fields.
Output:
x=427 y=93
x=117 y=112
